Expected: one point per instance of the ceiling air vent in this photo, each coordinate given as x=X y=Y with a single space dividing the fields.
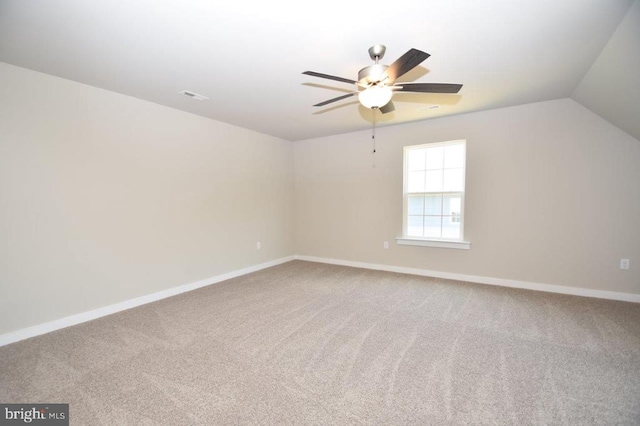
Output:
x=195 y=96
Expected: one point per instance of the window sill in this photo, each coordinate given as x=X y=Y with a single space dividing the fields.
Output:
x=408 y=241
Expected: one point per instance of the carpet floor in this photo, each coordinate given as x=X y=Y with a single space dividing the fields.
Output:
x=309 y=343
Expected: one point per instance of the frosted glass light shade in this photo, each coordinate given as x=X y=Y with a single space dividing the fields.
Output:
x=375 y=96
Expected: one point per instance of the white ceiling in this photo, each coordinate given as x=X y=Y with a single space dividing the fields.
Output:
x=248 y=56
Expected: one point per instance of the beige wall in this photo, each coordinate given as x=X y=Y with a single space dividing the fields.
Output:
x=553 y=197
x=611 y=88
x=105 y=198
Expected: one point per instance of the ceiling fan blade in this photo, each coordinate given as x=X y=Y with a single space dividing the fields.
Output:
x=428 y=87
x=335 y=99
x=389 y=107
x=406 y=63
x=330 y=77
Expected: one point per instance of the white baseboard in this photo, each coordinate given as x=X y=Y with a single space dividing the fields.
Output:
x=551 y=288
x=58 y=324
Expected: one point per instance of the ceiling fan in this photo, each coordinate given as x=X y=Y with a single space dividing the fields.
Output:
x=376 y=83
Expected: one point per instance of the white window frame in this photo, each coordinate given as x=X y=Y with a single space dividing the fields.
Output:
x=457 y=243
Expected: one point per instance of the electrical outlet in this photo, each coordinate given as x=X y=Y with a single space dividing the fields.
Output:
x=258 y=245
x=386 y=245
x=624 y=263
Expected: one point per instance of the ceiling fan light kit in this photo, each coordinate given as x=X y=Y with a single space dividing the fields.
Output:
x=375 y=85
x=375 y=96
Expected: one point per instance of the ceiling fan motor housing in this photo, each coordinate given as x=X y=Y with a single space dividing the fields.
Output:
x=372 y=74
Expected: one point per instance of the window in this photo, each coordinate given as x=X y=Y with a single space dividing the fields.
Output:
x=434 y=195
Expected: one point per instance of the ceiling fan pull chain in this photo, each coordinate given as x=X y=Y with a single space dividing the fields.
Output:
x=373 y=130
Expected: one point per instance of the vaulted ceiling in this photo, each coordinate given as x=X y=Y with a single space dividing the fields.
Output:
x=248 y=57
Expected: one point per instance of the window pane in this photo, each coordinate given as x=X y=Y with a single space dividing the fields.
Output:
x=415 y=205
x=432 y=226
x=434 y=181
x=452 y=205
x=416 y=159
x=433 y=204
x=414 y=226
x=453 y=180
x=435 y=189
x=416 y=182
x=453 y=156
x=450 y=229
x=435 y=157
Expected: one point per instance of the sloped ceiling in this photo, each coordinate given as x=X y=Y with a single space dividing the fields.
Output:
x=611 y=88
x=247 y=57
